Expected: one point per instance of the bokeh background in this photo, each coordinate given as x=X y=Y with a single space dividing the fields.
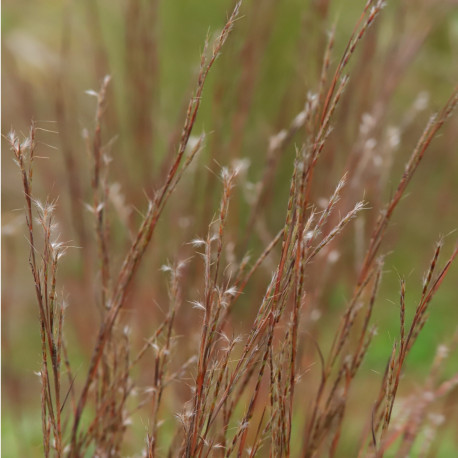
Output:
x=53 y=51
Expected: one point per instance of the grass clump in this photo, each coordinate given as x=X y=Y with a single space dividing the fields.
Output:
x=244 y=352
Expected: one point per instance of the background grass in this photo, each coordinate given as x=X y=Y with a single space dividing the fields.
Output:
x=266 y=86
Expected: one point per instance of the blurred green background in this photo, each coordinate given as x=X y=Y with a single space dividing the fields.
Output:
x=53 y=51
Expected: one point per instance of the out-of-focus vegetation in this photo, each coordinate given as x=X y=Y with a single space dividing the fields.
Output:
x=254 y=113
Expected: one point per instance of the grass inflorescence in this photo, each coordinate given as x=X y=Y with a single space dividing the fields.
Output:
x=192 y=379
